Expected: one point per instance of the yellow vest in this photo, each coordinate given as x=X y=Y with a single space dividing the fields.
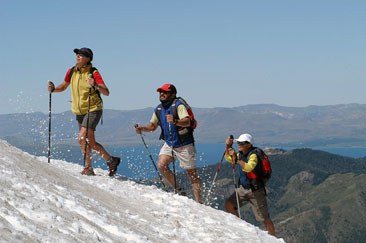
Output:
x=80 y=92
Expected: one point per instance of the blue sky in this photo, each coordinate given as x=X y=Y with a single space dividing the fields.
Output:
x=217 y=53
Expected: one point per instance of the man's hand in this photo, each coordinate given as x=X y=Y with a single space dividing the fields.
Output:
x=138 y=129
x=231 y=152
x=170 y=118
x=229 y=142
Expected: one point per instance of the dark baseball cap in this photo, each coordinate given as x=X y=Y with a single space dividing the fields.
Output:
x=168 y=88
x=85 y=52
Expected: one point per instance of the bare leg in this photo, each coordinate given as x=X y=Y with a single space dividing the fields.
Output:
x=92 y=144
x=231 y=208
x=81 y=140
x=196 y=183
x=163 y=164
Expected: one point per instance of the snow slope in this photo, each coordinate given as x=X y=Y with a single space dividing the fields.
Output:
x=41 y=202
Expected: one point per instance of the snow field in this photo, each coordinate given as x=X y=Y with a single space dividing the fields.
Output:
x=55 y=203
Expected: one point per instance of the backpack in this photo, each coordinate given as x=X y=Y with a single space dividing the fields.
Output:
x=175 y=115
x=189 y=110
x=263 y=169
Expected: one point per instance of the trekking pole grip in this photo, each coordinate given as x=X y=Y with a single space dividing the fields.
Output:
x=90 y=76
x=136 y=126
x=231 y=137
x=229 y=146
x=51 y=84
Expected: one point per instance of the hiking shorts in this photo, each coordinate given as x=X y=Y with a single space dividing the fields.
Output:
x=94 y=118
x=185 y=154
x=257 y=199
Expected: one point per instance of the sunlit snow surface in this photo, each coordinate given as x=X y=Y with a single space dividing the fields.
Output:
x=41 y=202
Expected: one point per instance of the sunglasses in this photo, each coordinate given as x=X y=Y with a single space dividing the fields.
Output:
x=81 y=54
x=243 y=143
x=165 y=92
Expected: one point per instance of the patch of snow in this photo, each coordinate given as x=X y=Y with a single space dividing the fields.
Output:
x=42 y=202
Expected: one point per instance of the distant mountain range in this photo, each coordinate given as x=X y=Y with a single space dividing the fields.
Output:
x=271 y=125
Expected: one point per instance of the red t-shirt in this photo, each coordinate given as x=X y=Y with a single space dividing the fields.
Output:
x=97 y=77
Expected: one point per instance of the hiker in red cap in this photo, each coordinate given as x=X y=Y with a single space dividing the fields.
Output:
x=86 y=86
x=177 y=131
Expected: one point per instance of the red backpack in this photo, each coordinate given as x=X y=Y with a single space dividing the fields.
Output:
x=263 y=169
x=189 y=110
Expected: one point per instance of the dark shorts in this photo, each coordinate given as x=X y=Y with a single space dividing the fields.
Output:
x=94 y=118
x=257 y=199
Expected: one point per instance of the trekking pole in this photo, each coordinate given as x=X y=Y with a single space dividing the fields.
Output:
x=171 y=141
x=152 y=160
x=87 y=122
x=217 y=172
x=236 y=192
x=49 y=122
x=235 y=184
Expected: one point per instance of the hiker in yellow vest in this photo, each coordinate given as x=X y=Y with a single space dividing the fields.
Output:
x=83 y=77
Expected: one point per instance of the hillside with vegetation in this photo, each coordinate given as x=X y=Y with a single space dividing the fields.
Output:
x=314 y=196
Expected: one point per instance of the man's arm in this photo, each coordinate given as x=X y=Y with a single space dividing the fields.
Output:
x=250 y=165
x=149 y=128
x=183 y=120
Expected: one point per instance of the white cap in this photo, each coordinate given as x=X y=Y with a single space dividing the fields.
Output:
x=245 y=138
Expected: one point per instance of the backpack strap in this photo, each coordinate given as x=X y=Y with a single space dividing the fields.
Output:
x=174 y=108
x=193 y=121
x=92 y=70
x=158 y=113
x=71 y=72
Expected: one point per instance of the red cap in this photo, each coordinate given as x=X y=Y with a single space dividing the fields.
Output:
x=168 y=88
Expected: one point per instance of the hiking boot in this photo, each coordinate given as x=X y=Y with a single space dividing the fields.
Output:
x=113 y=164
x=180 y=191
x=88 y=171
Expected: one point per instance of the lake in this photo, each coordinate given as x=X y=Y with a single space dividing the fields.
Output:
x=137 y=164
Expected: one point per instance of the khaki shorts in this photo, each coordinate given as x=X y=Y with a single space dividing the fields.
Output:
x=257 y=199
x=185 y=154
x=94 y=118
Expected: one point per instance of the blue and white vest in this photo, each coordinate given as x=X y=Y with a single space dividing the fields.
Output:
x=179 y=135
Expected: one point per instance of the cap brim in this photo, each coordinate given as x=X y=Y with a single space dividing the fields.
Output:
x=76 y=51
